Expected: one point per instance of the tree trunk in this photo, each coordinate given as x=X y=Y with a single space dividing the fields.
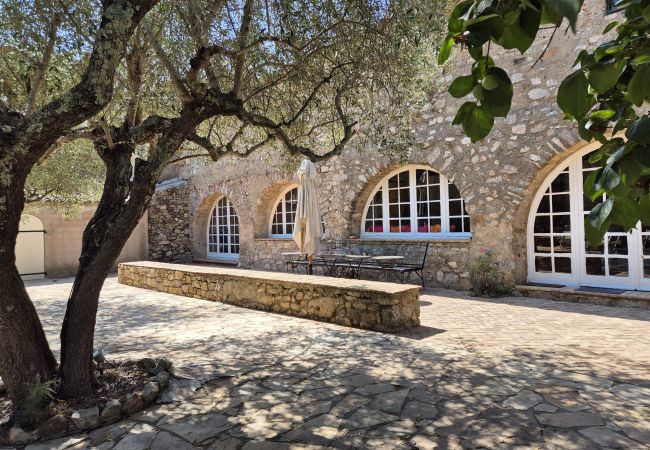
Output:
x=121 y=207
x=126 y=196
x=25 y=355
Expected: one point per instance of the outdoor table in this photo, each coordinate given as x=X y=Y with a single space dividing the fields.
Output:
x=387 y=261
x=355 y=264
x=329 y=261
x=291 y=259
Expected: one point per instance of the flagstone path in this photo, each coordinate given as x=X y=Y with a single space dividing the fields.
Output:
x=478 y=373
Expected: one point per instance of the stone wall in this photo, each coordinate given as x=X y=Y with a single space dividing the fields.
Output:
x=497 y=176
x=169 y=224
x=363 y=304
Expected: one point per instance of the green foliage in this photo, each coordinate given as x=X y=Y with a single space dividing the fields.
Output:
x=487 y=278
x=35 y=405
x=72 y=176
x=607 y=93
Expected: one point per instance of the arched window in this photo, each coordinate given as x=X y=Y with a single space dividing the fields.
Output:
x=557 y=250
x=223 y=231
x=284 y=213
x=415 y=202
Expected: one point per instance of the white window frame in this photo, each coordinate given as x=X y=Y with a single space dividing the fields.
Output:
x=578 y=275
x=218 y=256
x=444 y=234
x=280 y=200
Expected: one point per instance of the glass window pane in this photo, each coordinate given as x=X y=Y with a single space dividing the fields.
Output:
x=404 y=178
x=456 y=225
x=561 y=203
x=563 y=265
x=455 y=208
x=561 y=183
x=543 y=264
x=618 y=267
x=561 y=223
x=544 y=205
x=594 y=249
x=542 y=224
x=617 y=245
x=595 y=266
x=562 y=244
x=453 y=191
x=466 y=225
x=542 y=244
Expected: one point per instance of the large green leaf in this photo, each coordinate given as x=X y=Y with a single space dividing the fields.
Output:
x=642 y=154
x=461 y=86
x=603 y=77
x=462 y=112
x=625 y=212
x=639 y=86
x=455 y=23
x=600 y=213
x=644 y=209
x=595 y=235
x=497 y=101
x=573 y=95
x=521 y=33
x=639 y=131
x=609 y=179
x=484 y=28
x=477 y=123
x=445 y=50
x=566 y=8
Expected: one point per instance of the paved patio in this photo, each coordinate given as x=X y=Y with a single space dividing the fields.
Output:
x=512 y=372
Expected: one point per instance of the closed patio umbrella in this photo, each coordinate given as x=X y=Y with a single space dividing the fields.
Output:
x=307 y=230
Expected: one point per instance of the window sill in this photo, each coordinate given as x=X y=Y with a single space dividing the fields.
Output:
x=274 y=239
x=445 y=239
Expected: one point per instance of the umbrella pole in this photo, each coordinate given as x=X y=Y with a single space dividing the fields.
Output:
x=311 y=267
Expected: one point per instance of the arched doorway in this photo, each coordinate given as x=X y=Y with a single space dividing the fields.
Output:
x=557 y=250
x=223 y=231
x=30 y=248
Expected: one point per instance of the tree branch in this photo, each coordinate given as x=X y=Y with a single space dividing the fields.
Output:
x=43 y=65
x=244 y=34
x=177 y=81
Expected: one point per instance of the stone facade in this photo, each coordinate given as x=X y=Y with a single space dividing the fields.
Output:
x=364 y=304
x=498 y=176
x=169 y=238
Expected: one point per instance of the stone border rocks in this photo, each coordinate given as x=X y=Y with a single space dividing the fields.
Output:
x=112 y=411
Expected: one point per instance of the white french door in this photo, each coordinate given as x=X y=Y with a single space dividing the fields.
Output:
x=223 y=231
x=557 y=249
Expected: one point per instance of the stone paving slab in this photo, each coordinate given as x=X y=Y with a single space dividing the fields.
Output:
x=506 y=373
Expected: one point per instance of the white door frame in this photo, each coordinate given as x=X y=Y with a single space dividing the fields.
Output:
x=229 y=256
x=578 y=275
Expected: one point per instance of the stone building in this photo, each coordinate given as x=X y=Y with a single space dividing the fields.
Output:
x=516 y=194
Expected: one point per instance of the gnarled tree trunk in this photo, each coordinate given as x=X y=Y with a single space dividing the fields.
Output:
x=126 y=196
x=25 y=355
x=120 y=209
x=24 y=139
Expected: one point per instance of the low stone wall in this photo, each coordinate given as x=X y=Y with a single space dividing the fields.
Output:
x=358 y=303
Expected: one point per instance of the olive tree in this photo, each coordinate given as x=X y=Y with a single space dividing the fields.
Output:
x=299 y=77
x=199 y=78
x=34 y=114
